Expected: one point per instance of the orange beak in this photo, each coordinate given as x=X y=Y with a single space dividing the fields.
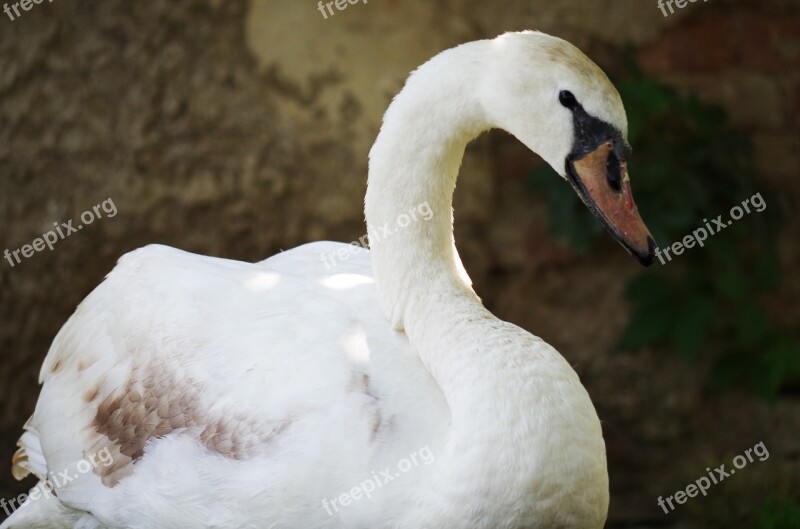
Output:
x=602 y=182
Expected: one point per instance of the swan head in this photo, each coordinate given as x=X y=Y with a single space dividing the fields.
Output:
x=561 y=105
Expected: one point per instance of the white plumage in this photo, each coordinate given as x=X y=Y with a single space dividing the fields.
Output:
x=228 y=394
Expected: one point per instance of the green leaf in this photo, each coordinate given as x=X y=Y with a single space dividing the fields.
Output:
x=692 y=326
x=768 y=271
x=651 y=297
x=730 y=369
x=646 y=327
x=729 y=280
x=778 y=364
x=751 y=325
x=648 y=290
x=779 y=513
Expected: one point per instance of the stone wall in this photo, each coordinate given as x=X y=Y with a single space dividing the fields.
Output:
x=240 y=129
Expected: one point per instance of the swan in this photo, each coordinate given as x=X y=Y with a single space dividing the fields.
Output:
x=375 y=392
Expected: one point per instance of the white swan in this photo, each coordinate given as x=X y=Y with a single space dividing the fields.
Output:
x=189 y=391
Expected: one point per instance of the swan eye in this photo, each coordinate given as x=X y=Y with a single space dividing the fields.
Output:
x=567 y=99
x=614 y=172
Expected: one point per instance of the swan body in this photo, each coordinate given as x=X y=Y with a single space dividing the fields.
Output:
x=191 y=391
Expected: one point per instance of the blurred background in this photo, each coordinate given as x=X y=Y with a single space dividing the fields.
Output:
x=238 y=129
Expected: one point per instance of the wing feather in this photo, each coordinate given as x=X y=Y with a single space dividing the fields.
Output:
x=257 y=365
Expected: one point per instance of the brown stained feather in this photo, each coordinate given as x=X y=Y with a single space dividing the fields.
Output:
x=157 y=405
x=19 y=465
x=83 y=365
x=376 y=424
x=57 y=366
x=19 y=456
x=361 y=384
x=92 y=394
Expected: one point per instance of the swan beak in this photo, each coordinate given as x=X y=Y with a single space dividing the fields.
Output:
x=610 y=199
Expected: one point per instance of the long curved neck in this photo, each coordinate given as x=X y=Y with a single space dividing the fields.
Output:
x=414 y=164
x=505 y=388
x=422 y=284
x=412 y=175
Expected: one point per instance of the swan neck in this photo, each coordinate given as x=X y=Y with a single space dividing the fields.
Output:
x=508 y=393
x=412 y=176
